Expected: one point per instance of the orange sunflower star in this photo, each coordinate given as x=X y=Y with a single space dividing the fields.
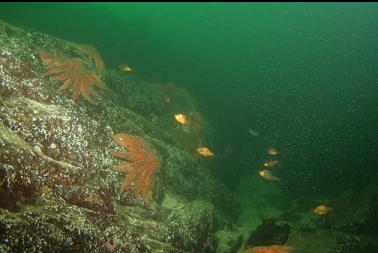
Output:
x=143 y=162
x=73 y=72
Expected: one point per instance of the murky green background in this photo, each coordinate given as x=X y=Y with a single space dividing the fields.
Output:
x=304 y=76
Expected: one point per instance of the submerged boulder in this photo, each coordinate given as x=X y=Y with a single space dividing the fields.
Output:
x=269 y=233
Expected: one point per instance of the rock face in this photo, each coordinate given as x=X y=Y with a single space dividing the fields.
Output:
x=58 y=191
x=270 y=233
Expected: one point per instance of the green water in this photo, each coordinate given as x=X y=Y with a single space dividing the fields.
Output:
x=304 y=76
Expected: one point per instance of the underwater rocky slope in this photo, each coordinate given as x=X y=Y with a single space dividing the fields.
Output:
x=92 y=160
x=72 y=134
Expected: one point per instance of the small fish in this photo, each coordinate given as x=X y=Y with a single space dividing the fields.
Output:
x=271 y=163
x=204 y=151
x=268 y=175
x=322 y=209
x=269 y=249
x=253 y=132
x=166 y=98
x=125 y=68
x=272 y=151
x=182 y=119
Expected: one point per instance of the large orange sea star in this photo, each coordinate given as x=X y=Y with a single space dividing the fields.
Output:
x=143 y=162
x=73 y=72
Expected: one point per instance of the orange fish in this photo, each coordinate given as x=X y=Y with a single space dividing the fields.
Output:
x=272 y=151
x=269 y=249
x=322 y=209
x=125 y=68
x=182 y=119
x=204 y=151
x=268 y=175
x=271 y=163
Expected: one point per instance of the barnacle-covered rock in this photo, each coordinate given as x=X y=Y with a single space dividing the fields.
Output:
x=52 y=226
x=192 y=223
x=58 y=191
